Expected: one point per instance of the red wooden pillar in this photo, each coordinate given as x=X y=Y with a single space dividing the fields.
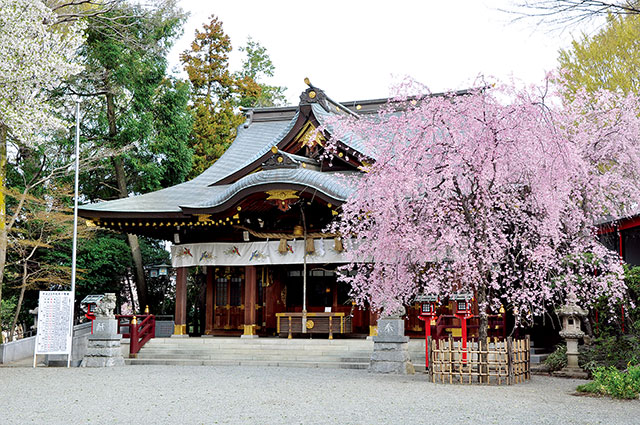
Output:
x=208 y=327
x=250 y=298
x=180 y=326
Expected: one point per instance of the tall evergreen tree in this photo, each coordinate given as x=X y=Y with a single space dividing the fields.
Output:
x=218 y=93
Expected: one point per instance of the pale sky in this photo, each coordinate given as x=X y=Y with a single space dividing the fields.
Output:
x=356 y=50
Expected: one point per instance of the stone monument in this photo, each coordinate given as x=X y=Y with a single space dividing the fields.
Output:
x=104 y=348
x=391 y=346
x=571 y=316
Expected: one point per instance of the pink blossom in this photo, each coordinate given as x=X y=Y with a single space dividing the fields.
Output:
x=475 y=193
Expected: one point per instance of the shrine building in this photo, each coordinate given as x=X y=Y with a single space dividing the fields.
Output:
x=254 y=222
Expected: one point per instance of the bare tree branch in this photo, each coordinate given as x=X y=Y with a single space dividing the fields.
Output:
x=563 y=13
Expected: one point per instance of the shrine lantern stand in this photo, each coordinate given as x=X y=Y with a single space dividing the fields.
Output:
x=428 y=314
x=463 y=306
x=88 y=304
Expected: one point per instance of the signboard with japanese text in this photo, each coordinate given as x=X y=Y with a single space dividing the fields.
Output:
x=54 y=323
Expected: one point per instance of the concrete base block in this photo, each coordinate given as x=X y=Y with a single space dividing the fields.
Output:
x=570 y=372
x=399 y=368
x=179 y=336
x=102 y=361
x=249 y=336
x=103 y=342
x=104 y=348
x=103 y=352
x=401 y=356
x=391 y=349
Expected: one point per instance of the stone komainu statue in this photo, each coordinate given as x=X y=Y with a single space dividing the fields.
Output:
x=105 y=307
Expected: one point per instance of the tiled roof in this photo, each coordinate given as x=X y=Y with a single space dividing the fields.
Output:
x=258 y=137
x=252 y=142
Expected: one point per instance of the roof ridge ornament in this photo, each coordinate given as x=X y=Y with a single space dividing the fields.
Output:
x=314 y=95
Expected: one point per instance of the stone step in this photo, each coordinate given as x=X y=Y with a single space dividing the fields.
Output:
x=248 y=349
x=219 y=351
x=257 y=356
x=238 y=349
x=269 y=344
x=286 y=363
x=538 y=350
x=538 y=358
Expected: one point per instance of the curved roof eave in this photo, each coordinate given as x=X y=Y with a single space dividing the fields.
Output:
x=331 y=186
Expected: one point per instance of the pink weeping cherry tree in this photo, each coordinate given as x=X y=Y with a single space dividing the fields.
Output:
x=494 y=192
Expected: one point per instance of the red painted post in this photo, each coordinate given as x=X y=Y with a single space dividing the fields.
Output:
x=427 y=334
x=620 y=245
x=133 y=339
x=464 y=339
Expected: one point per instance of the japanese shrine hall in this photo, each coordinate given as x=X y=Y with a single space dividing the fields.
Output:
x=244 y=221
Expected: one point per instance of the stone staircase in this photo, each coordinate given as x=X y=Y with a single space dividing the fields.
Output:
x=219 y=351
x=538 y=354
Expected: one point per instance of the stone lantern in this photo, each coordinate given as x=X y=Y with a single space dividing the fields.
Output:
x=571 y=316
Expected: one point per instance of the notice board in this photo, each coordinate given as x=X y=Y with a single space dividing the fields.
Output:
x=54 y=323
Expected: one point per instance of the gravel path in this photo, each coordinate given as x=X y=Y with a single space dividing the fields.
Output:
x=256 y=395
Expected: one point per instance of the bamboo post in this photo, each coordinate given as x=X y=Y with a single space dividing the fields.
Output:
x=451 y=359
x=509 y=361
x=429 y=353
x=528 y=357
x=330 y=327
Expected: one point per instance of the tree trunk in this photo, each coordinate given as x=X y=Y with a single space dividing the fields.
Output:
x=482 y=333
x=20 y=299
x=118 y=165
x=141 y=286
x=3 y=206
x=482 y=313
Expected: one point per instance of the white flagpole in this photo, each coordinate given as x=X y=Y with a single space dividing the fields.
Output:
x=75 y=229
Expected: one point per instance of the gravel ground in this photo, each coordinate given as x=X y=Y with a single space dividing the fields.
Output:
x=256 y=395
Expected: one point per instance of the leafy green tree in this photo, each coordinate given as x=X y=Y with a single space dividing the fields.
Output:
x=256 y=65
x=607 y=60
x=131 y=104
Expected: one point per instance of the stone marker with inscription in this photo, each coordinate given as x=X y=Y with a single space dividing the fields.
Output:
x=391 y=348
x=104 y=349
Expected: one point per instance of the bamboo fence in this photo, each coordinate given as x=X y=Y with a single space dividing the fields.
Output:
x=493 y=362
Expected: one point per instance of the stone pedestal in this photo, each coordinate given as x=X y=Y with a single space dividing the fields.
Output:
x=391 y=348
x=104 y=347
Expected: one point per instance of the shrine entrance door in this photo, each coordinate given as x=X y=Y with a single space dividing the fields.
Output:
x=229 y=293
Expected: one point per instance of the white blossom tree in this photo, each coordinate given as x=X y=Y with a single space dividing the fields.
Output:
x=37 y=53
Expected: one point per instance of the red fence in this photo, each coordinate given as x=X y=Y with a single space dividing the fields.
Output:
x=138 y=333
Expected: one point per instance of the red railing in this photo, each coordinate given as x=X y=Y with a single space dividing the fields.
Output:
x=138 y=333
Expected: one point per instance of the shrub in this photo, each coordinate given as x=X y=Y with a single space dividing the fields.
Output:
x=618 y=351
x=614 y=383
x=558 y=359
